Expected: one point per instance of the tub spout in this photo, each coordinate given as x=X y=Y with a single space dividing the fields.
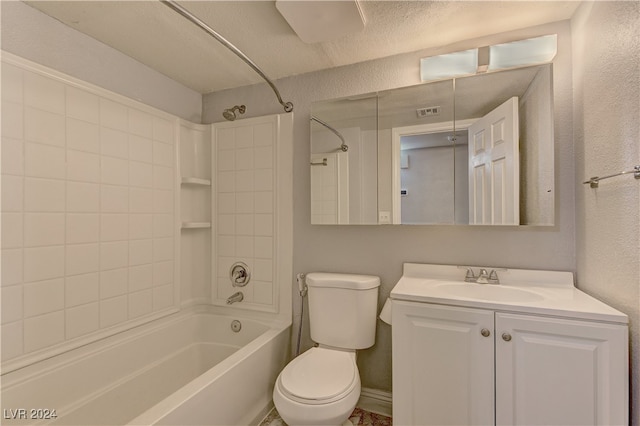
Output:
x=235 y=297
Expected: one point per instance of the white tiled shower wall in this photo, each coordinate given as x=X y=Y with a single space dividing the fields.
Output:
x=88 y=185
x=245 y=200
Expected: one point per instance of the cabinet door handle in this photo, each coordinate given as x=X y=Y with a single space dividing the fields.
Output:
x=506 y=337
x=485 y=332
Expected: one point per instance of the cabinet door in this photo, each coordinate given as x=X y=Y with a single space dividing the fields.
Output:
x=562 y=372
x=443 y=370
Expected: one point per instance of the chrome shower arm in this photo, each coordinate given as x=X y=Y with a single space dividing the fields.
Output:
x=288 y=106
x=344 y=147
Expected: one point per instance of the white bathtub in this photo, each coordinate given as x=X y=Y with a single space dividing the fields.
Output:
x=187 y=369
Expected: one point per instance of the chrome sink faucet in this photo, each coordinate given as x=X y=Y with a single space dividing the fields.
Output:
x=483 y=277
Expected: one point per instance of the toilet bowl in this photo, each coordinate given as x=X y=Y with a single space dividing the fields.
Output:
x=320 y=387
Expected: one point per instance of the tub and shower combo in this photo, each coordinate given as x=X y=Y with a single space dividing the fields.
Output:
x=199 y=361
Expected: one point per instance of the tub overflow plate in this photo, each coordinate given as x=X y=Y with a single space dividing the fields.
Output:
x=236 y=326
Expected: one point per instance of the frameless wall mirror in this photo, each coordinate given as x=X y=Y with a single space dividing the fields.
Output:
x=474 y=150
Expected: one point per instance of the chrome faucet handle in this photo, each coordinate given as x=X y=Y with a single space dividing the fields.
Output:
x=493 y=277
x=470 y=277
x=483 y=277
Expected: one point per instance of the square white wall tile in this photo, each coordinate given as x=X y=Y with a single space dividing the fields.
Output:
x=81 y=289
x=244 y=137
x=113 y=311
x=82 y=228
x=162 y=154
x=140 y=252
x=44 y=229
x=12 y=267
x=140 y=277
x=162 y=297
x=162 y=225
x=12 y=118
x=43 y=263
x=12 y=193
x=12 y=230
x=244 y=159
x=113 y=115
x=162 y=249
x=82 y=319
x=140 y=123
x=82 y=258
x=264 y=135
x=114 y=227
x=12 y=157
x=44 y=161
x=140 y=303
x=12 y=341
x=83 y=166
x=44 y=330
x=140 y=226
x=44 y=195
x=11 y=303
x=114 y=171
x=163 y=130
x=83 y=136
x=43 y=93
x=83 y=197
x=114 y=255
x=141 y=200
x=263 y=247
x=12 y=83
x=114 y=199
x=43 y=297
x=163 y=201
x=163 y=177
x=44 y=127
x=141 y=149
x=263 y=225
x=114 y=143
x=140 y=174
x=82 y=105
x=263 y=201
x=263 y=292
x=162 y=273
x=114 y=283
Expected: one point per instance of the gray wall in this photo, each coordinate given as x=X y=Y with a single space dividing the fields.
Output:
x=606 y=41
x=28 y=33
x=381 y=250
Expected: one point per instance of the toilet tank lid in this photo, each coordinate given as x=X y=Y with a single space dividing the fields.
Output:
x=347 y=281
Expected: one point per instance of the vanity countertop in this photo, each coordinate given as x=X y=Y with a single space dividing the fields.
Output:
x=549 y=293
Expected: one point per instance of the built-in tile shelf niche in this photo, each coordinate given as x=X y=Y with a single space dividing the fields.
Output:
x=195 y=176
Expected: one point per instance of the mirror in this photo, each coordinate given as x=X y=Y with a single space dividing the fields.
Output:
x=424 y=154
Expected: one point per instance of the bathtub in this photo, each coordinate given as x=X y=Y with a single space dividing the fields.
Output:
x=190 y=369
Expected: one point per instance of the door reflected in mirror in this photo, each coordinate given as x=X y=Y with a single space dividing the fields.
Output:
x=479 y=154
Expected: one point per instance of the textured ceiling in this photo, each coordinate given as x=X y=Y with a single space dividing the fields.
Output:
x=158 y=37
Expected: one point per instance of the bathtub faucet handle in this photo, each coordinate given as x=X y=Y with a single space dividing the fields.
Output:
x=239 y=274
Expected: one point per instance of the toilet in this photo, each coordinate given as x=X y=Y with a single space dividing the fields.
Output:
x=322 y=385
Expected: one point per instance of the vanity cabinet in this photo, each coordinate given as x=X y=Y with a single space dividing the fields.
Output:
x=473 y=366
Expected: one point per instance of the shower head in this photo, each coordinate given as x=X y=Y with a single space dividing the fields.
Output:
x=230 y=114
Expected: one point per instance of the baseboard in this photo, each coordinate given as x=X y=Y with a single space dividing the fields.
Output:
x=376 y=401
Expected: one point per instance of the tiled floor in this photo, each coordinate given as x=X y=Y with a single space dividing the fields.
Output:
x=359 y=417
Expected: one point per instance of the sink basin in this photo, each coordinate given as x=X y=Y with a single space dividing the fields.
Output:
x=492 y=292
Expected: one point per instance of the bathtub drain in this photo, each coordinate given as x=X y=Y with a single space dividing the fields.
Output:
x=236 y=325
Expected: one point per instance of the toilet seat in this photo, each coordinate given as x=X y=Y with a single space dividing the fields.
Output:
x=319 y=376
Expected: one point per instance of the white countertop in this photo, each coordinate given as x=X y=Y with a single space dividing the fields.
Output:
x=520 y=291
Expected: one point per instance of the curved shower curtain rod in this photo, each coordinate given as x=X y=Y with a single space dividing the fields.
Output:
x=288 y=106
x=344 y=147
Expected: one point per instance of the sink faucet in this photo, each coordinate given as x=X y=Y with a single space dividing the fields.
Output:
x=483 y=277
x=235 y=297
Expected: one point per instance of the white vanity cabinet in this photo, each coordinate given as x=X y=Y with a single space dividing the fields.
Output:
x=471 y=366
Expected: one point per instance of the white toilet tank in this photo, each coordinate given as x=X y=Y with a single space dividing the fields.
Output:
x=342 y=309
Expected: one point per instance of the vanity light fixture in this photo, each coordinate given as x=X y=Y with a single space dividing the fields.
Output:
x=520 y=53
